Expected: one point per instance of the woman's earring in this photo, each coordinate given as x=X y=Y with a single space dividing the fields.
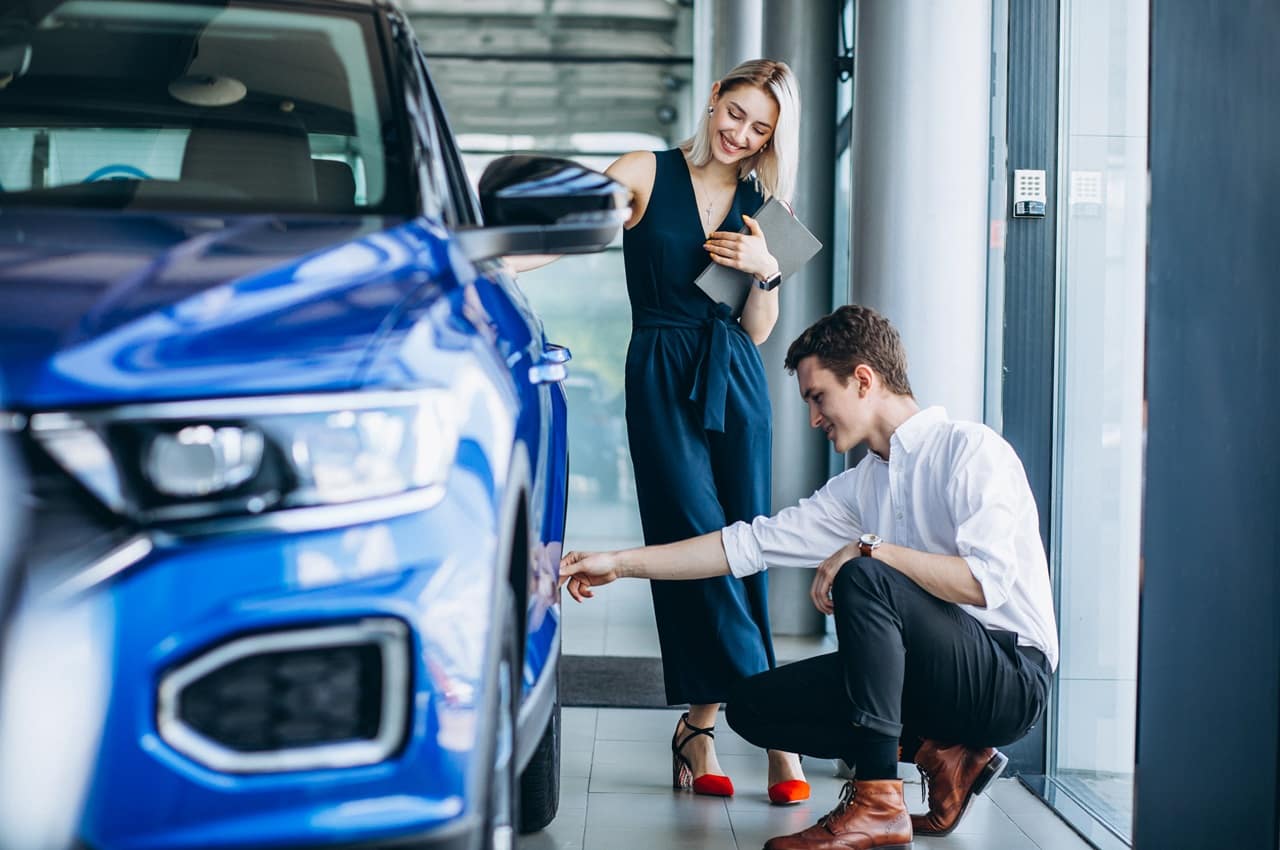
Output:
x=710 y=109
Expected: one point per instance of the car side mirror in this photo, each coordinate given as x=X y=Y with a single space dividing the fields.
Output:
x=544 y=205
x=15 y=59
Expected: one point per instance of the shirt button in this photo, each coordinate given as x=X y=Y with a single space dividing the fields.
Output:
x=899 y=514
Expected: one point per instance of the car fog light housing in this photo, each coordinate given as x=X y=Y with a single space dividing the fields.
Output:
x=200 y=460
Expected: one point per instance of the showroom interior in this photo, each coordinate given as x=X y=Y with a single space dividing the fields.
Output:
x=1067 y=208
x=1041 y=327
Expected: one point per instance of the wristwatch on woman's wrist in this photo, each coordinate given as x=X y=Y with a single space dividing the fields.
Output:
x=869 y=543
x=770 y=283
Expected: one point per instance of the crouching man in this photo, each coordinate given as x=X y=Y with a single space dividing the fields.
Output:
x=929 y=556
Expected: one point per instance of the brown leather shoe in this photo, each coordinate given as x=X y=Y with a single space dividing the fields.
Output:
x=954 y=776
x=871 y=813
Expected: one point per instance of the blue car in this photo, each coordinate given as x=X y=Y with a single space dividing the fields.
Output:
x=295 y=438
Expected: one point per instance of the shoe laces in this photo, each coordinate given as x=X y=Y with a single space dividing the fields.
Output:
x=846 y=797
x=925 y=777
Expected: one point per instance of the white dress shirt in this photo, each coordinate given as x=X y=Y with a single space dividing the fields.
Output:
x=948 y=488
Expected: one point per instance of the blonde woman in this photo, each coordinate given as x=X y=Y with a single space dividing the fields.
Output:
x=698 y=411
x=698 y=415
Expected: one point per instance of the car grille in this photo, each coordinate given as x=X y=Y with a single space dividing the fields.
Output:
x=293 y=699
x=280 y=700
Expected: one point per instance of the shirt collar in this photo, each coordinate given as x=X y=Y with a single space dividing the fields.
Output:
x=910 y=434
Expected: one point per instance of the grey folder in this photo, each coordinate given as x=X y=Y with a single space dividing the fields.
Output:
x=790 y=242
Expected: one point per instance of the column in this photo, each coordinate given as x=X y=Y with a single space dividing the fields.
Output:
x=726 y=33
x=920 y=178
x=802 y=33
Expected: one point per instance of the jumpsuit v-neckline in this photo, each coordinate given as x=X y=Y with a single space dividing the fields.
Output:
x=697 y=211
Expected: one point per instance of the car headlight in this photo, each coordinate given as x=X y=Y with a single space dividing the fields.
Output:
x=184 y=460
x=199 y=460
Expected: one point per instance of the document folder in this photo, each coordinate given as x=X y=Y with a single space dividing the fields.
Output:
x=790 y=242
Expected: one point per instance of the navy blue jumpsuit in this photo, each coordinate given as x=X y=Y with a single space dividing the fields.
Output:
x=698 y=420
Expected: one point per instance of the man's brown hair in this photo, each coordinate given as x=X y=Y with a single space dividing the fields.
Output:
x=852 y=336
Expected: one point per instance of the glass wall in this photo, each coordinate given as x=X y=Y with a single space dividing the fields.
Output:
x=1099 y=418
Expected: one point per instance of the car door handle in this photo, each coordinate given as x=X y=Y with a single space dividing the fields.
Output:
x=556 y=354
x=547 y=373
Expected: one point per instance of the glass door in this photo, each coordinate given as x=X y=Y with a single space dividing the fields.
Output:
x=1099 y=420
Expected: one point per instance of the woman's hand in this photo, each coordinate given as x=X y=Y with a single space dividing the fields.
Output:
x=820 y=590
x=747 y=252
x=585 y=570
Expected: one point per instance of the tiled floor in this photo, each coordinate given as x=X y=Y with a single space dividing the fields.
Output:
x=616 y=795
x=616 y=765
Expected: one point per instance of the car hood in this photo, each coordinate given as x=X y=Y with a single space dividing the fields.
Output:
x=102 y=308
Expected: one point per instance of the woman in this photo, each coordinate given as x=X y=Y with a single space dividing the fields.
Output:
x=698 y=412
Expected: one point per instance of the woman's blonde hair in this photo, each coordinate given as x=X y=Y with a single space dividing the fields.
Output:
x=774 y=165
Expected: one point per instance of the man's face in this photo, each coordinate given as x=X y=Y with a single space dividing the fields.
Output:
x=839 y=409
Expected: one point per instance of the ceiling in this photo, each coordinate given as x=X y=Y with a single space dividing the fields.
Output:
x=553 y=68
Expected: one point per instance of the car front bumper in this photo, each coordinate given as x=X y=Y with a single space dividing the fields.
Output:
x=191 y=598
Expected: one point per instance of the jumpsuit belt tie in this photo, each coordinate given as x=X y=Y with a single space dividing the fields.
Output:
x=711 y=377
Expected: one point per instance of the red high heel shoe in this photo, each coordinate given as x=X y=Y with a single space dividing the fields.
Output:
x=789 y=791
x=710 y=784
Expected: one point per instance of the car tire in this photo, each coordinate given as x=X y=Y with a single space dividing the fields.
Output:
x=502 y=799
x=540 y=782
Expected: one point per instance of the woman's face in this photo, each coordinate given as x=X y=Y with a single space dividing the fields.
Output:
x=741 y=122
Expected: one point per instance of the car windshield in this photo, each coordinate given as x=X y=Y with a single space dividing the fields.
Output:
x=226 y=106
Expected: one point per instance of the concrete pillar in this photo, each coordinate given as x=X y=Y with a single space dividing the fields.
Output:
x=726 y=33
x=920 y=179
x=804 y=34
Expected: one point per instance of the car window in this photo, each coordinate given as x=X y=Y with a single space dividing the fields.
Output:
x=459 y=208
x=193 y=105
x=466 y=207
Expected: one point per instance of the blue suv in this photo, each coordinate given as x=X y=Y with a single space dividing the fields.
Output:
x=292 y=432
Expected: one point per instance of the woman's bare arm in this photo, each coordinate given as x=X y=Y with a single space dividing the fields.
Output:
x=527 y=263
x=636 y=171
x=759 y=314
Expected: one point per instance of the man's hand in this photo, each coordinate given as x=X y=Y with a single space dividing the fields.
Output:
x=585 y=570
x=820 y=590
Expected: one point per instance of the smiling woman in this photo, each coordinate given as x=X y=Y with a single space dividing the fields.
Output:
x=165 y=105
x=702 y=458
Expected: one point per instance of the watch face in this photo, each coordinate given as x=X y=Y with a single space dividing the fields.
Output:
x=869 y=540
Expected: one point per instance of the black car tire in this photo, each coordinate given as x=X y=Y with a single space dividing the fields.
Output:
x=540 y=782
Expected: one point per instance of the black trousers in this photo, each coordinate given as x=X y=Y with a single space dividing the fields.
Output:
x=909 y=666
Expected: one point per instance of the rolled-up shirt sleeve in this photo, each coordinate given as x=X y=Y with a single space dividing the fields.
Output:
x=803 y=535
x=986 y=492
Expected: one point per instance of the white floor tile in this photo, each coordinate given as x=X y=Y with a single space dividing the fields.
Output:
x=638 y=724
x=631 y=640
x=670 y=811
x=659 y=836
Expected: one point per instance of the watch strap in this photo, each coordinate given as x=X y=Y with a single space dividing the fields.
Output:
x=770 y=283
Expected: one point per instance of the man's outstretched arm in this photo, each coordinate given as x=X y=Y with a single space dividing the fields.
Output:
x=697 y=557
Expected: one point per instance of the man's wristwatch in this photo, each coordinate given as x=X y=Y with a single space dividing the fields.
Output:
x=869 y=543
x=770 y=283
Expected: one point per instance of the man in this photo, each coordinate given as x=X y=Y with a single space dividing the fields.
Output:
x=929 y=555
